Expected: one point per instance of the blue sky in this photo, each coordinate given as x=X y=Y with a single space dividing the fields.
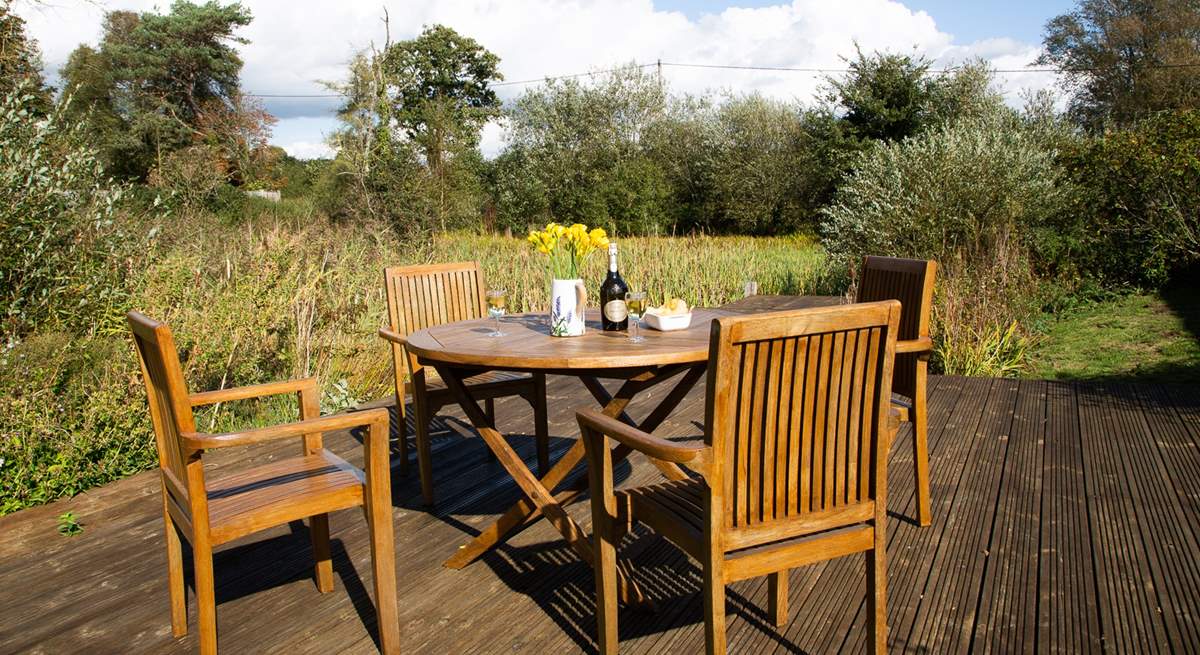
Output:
x=967 y=20
x=294 y=44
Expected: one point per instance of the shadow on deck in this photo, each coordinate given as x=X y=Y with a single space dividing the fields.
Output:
x=1066 y=518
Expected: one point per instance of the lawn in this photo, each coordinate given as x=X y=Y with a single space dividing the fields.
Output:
x=1150 y=337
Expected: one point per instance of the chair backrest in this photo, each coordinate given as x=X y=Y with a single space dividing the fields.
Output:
x=432 y=294
x=797 y=417
x=170 y=408
x=911 y=282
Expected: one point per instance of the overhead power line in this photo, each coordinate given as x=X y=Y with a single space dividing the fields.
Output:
x=931 y=70
x=784 y=69
x=572 y=75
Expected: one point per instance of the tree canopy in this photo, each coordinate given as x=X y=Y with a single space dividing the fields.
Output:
x=20 y=61
x=154 y=76
x=1123 y=60
x=408 y=148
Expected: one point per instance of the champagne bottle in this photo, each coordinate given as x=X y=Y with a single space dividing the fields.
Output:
x=613 y=315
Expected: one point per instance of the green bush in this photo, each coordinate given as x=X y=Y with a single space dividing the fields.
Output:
x=971 y=190
x=971 y=195
x=59 y=259
x=1136 y=217
x=72 y=416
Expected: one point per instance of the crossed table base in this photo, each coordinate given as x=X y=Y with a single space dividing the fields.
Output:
x=540 y=499
x=462 y=350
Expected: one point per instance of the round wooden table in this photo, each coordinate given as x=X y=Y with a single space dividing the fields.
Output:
x=461 y=350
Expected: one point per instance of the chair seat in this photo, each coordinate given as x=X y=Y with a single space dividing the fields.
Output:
x=674 y=509
x=434 y=382
x=282 y=491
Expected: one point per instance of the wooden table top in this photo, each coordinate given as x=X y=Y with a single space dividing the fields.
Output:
x=527 y=343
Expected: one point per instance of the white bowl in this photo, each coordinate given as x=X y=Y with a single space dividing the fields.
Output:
x=667 y=323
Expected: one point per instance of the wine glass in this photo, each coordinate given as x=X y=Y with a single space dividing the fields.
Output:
x=635 y=305
x=497 y=303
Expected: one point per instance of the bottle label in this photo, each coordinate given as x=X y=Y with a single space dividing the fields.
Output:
x=615 y=311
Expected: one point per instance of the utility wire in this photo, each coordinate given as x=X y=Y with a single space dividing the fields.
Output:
x=787 y=69
x=932 y=70
x=571 y=76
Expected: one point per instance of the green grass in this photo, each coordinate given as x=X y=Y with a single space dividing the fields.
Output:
x=1140 y=337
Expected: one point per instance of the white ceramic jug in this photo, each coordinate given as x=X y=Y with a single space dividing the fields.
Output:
x=568 y=301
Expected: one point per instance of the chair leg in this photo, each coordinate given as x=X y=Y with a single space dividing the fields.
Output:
x=383 y=560
x=778 y=585
x=714 y=604
x=541 y=425
x=318 y=527
x=402 y=430
x=175 y=575
x=206 y=600
x=424 y=454
x=921 y=447
x=877 y=593
x=605 y=546
x=489 y=410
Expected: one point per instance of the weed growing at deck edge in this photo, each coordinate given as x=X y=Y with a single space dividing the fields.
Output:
x=68 y=524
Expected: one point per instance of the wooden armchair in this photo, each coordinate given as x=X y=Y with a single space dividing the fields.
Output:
x=212 y=512
x=423 y=296
x=793 y=466
x=911 y=282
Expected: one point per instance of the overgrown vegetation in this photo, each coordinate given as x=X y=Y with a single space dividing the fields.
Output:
x=60 y=262
x=287 y=292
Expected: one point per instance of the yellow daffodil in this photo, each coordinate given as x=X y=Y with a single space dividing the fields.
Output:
x=577 y=242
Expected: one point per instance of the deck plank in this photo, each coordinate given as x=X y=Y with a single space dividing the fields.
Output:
x=1006 y=619
x=1068 y=616
x=1128 y=602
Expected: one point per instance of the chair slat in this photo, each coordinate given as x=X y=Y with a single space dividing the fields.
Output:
x=911 y=282
x=166 y=391
x=804 y=416
x=423 y=296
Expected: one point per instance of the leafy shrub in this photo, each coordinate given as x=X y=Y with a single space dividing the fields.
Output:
x=58 y=242
x=72 y=416
x=971 y=195
x=1136 y=218
x=192 y=176
x=966 y=190
x=994 y=351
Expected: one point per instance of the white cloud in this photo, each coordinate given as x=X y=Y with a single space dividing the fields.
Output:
x=307 y=149
x=296 y=43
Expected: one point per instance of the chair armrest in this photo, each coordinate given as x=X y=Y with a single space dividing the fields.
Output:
x=656 y=447
x=252 y=391
x=922 y=345
x=394 y=337
x=202 y=441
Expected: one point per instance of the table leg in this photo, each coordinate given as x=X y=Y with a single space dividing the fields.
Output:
x=528 y=509
x=533 y=488
x=654 y=419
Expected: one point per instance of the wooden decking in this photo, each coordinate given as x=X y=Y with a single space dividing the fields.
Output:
x=1066 y=518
